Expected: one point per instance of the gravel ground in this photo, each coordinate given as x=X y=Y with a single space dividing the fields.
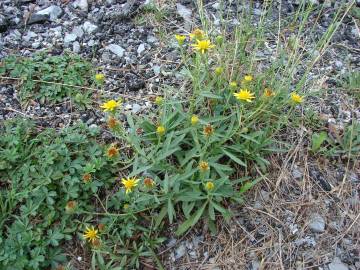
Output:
x=304 y=216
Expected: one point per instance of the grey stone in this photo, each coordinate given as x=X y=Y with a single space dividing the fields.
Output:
x=317 y=223
x=78 y=31
x=156 y=69
x=338 y=64
x=141 y=48
x=336 y=264
x=116 y=49
x=89 y=27
x=69 y=38
x=180 y=251
x=136 y=108
x=76 y=47
x=53 y=12
x=38 y=18
x=29 y=35
x=184 y=12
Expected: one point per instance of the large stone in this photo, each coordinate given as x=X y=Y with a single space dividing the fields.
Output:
x=184 y=12
x=89 y=27
x=53 y=12
x=81 y=4
x=317 y=223
x=116 y=49
x=336 y=264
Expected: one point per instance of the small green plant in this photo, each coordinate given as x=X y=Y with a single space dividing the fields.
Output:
x=48 y=78
x=317 y=140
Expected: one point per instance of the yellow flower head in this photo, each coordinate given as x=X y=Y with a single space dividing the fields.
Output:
x=112 y=123
x=208 y=130
x=245 y=95
x=111 y=105
x=159 y=100
x=160 y=130
x=203 y=166
x=194 y=120
x=268 y=92
x=197 y=34
x=86 y=177
x=149 y=183
x=296 y=98
x=180 y=39
x=248 y=78
x=203 y=45
x=219 y=71
x=233 y=85
x=100 y=78
x=209 y=185
x=91 y=234
x=112 y=151
x=129 y=184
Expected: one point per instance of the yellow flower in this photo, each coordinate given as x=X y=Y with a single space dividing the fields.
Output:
x=296 y=98
x=233 y=85
x=100 y=78
x=91 y=234
x=112 y=151
x=159 y=100
x=149 y=183
x=111 y=105
x=129 y=184
x=268 y=92
x=219 y=71
x=194 y=120
x=160 y=130
x=245 y=95
x=208 y=130
x=209 y=185
x=180 y=39
x=126 y=206
x=203 y=45
x=203 y=166
x=197 y=34
x=248 y=78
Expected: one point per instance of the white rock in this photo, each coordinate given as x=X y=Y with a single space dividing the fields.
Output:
x=69 y=38
x=141 y=48
x=53 y=12
x=82 y=4
x=29 y=35
x=116 y=49
x=216 y=5
x=78 y=31
x=136 y=108
x=336 y=264
x=180 y=251
x=317 y=223
x=89 y=27
x=184 y=12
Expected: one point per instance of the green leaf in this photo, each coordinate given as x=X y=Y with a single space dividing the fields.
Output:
x=210 y=95
x=191 y=221
x=317 y=140
x=234 y=158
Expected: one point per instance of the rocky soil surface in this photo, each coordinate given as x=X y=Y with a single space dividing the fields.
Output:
x=298 y=220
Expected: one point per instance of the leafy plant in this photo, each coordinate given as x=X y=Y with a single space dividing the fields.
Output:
x=48 y=78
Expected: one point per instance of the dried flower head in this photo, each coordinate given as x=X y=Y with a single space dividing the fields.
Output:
x=112 y=151
x=112 y=122
x=197 y=34
x=86 y=177
x=149 y=183
x=203 y=166
x=70 y=206
x=101 y=227
x=208 y=130
x=268 y=92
